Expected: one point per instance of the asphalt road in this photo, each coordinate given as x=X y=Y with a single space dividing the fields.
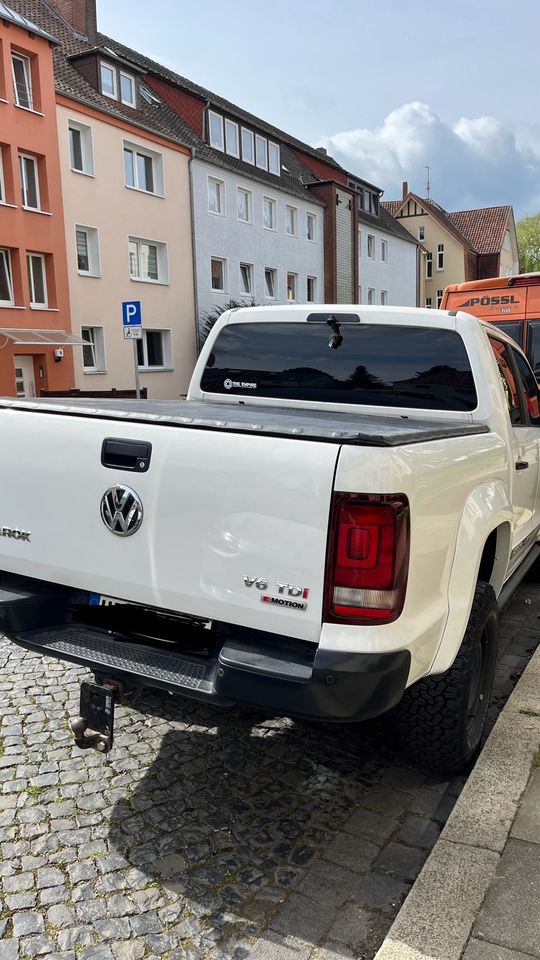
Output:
x=209 y=834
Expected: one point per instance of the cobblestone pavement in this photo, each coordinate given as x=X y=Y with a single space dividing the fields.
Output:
x=207 y=834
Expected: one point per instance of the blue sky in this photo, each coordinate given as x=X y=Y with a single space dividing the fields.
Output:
x=387 y=87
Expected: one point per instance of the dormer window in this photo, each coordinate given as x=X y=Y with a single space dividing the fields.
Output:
x=225 y=135
x=127 y=89
x=215 y=130
x=108 y=81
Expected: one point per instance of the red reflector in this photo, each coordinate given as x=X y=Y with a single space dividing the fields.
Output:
x=525 y=281
x=367 y=561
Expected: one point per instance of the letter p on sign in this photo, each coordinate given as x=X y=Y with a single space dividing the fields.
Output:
x=131 y=313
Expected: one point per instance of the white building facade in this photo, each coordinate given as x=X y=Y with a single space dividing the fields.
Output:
x=253 y=242
x=387 y=269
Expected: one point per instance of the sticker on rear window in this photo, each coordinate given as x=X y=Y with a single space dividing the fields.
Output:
x=238 y=385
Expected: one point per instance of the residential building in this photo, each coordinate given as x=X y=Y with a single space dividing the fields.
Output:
x=125 y=179
x=34 y=296
x=460 y=245
x=389 y=259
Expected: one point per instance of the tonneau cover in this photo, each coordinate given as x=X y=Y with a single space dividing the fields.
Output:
x=353 y=428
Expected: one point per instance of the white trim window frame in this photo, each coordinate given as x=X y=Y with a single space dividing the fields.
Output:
x=261 y=152
x=292 y=287
x=216 y=197
x=274 y=159
x=371 y=246
x=246 y=279
x=22 y=89
x=147 y=261
x=29 y=185
x=247 y=194
x=2 y=182
x=165 y=349
x=138 y=174
x=311 y=290
x=111 y=94
x=270 y=283
x=37 y=281
x=429 y=303
x=421 y=234
x=132 y=102
x=311 y=227
x=218 y=277
x=6 y=278
x=440 y=257
x=215 y=124
x=232 y=130
x=384 y=298
x=94 y=337
x=87 y=248
x=384 y=251
x=371 y=295
x=439 y=298
x=291 y=220
x=81 y=148
x=269 y=214
x=248 y=154
x=429 y=265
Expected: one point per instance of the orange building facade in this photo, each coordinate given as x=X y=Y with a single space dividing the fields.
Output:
x=34 y=292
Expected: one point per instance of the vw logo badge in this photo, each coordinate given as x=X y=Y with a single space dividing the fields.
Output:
x=121 y=511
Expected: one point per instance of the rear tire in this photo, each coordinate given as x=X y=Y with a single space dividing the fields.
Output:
x=441 y=719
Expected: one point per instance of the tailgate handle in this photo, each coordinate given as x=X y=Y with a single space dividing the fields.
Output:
x=121 y=454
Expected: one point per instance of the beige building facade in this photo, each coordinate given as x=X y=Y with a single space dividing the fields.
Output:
x=128 y=236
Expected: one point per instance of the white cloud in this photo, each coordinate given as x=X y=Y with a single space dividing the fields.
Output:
x=474 y=162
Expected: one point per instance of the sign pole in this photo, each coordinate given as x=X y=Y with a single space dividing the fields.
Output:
x=136 y=364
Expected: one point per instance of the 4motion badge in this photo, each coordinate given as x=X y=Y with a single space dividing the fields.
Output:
x=289 y=595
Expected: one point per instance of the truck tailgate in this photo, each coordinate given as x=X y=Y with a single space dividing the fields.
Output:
x=221 y=510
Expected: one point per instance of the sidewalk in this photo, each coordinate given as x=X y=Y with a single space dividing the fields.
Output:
x=478 y=894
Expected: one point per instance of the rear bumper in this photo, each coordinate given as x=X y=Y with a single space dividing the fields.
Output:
x=278 y=674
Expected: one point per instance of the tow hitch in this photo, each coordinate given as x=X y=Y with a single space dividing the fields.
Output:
x=94 y=727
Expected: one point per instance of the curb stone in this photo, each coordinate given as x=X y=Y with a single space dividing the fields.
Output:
x=437 y=917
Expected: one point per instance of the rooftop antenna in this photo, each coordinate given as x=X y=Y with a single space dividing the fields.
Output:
x=428 y=184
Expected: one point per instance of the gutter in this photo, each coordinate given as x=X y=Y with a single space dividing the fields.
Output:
x=194 y=255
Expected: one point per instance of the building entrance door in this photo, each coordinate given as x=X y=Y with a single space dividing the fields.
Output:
x=25 y=383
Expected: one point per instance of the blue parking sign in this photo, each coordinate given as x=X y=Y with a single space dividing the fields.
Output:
x=131 y=313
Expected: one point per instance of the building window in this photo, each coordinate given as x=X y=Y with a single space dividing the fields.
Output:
x=22 y=81
x=246 y=278
x=428 y=303
x=421 y=233
x=291 y=221
x=216 y=190
x=218 y=271
x=440 y=256
x=360 y=294
x=429 y=265
x=108 y=81
x=127 y=89
x=80 y=148
x=2 y=184
x=270 y=283
x=244 y=205
x=248 y=147
x=93 y=349
x=87 y=251
x=154 y=350
x=231 y=138
x=371 y=246
x=273 y=158
x=384 y=251
x=28 y=168
x=143 y=170
x=147 y=261
x=292 y=286
x=37 y=283
x=260 y=152
x=269 y=213
x=311 y=227
x=384 y=298
x=6 y=284
x=439 y=298
x=215 y=130
x=371 y=295
x=311 y=290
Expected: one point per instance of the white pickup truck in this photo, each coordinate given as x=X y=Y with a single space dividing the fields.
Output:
x=326 y=527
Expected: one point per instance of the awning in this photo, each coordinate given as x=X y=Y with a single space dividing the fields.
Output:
x=44 y=338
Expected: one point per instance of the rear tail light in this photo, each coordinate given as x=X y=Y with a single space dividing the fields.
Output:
x=527 y=280
x=368 y=558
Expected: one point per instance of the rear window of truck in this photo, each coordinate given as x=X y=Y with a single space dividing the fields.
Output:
x=392 y=366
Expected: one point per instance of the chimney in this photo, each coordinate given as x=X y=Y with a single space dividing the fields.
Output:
x=322 y=150
x=80 y=14
x=405 y=190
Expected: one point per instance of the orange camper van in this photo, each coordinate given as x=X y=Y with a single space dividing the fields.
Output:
x=510 y=303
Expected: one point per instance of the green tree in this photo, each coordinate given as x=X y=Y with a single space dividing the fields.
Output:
x=528 y=237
